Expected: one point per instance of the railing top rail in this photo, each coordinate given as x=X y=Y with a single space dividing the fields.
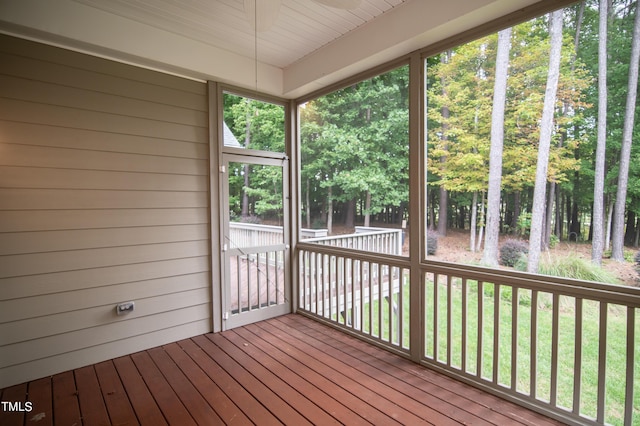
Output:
x=355 y=235
x=256 y=226
x=387 y=259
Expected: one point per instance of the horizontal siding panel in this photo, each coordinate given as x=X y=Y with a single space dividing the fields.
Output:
x=89 y=140
x=104 y=198
x=60 y=283
x=42 y=263
x=19 y=373
x=29 y=112
x=48 y=241
x=39 y=199
x=100 y=72
x=65 y=158
x=90 y=100
x=84 y=318
x=50 y=304
x=29 y=177
x=63 y=343
x=52 y=220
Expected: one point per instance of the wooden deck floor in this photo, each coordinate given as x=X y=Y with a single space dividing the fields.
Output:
x=289 y=370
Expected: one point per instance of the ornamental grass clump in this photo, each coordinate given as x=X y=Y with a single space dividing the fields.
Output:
x=572 y=266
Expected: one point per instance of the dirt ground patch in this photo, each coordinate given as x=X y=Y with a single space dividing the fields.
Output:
x=455 y=248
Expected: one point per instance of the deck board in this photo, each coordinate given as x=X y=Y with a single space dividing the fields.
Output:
x=39 y=394
x=287 y=370
x=92 y=404
x=66 y=405
x=144 y=405
x=115 y=398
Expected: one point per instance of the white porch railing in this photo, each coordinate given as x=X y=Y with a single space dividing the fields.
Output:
x=376 y=240
x=562 y=347
x=254 y=235
x=360 y=292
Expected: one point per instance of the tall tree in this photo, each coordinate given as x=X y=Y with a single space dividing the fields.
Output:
x=597 y=218
x=443 y=204
x=490 y=255
x=546 y=132
x=617 y=252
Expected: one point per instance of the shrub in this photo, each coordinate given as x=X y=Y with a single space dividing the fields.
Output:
x=511 y=252
x=432 y=242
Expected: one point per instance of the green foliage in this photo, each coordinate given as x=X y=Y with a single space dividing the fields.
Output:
x=260 y=126
x=512 y=250
x=355 y=143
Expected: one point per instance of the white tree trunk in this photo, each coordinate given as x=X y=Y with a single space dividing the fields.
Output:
x=474 y=219
x=330 y=211
x=544 y=146
x=607 y=234
x=308 y=203
x=367 y=207
x=617 y=251
x=597 y=219
x=490 y=255
x=482 y=225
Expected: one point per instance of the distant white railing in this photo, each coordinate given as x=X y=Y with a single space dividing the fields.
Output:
x=243 y=234
x=376 y=240
x=563 y=347
x=254 y=235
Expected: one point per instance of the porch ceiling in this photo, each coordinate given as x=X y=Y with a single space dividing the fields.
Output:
x=308 y=47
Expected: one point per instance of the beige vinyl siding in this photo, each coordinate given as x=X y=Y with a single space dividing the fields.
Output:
x=104 y=198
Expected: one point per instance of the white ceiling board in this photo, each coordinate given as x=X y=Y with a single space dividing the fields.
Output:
x=69 y=24
x=309 y=46
x=404 y=29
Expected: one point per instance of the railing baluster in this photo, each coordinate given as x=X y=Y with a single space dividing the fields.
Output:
x=379 y=267
x=480 y=348
x=515 y=303
x=630 y=376
x=390 y=303
x=362 y=281
x=577 y=365
x=602 y=360
x=370 y=298
x=319 y=285
x=496 y=332
x=463 y=349
x=533 y=356
x=249 y=307
x=555 y=324
x=449 y=319
x=435 y=317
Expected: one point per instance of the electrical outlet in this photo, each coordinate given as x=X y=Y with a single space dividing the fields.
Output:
x=125 y=308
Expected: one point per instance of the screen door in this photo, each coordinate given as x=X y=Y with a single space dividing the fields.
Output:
x=255 y=239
